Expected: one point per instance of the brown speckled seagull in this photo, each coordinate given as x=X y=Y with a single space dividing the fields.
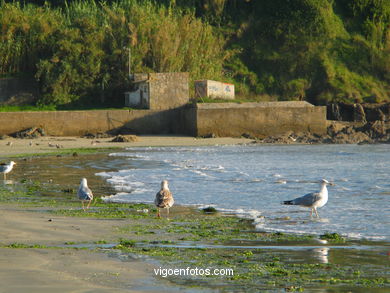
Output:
x=164 y=198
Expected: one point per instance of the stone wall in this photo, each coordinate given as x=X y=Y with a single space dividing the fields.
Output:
x=163 y=91
x=228 y=119
x=168 y=90
x=76 y=123
x=259 y=119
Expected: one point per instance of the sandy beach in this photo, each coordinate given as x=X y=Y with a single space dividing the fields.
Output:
x=12 y=146
x=65 y=269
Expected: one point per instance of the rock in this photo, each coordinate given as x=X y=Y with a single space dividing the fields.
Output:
x=210 y=135
x=358 y=114
x=32 y=132
x=375 y=112
x=209 y=210
x=3 y=137
x=333 y=111
x=125 y=138
x=375 y=130
x=246 y=135
x=96 y=135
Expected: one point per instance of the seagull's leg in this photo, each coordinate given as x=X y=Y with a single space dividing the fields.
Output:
x=315 y=209
x=89 y=203
x=82 y=203
x=158 y=212
x=311 y=212
x=167 y=212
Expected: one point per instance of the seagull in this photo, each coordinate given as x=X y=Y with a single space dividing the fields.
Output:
x=312 y=200
x=6 y=168
x=84 y=193
x=164 y=198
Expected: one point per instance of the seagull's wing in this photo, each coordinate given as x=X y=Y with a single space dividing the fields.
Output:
x=163 y=198
x=85 y=193
x=307 y=200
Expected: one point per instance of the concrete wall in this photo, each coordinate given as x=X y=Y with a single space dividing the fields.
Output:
x=164 y=91
x=228 y=119
x=168 y=90
x=75 y=123
x=259 y=119
x=214 y=89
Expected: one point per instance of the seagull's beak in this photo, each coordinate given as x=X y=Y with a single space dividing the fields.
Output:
x=331 y=184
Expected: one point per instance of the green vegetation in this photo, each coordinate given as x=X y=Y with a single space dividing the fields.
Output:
x=316 y=50
x=334 y=237
x=67 y=152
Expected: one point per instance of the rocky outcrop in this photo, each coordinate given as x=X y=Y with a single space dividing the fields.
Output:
x=125 y=138
x=32 y=132
x=358 y=112
x=338 y=133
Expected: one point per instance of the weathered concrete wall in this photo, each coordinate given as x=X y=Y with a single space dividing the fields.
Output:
x=214 y=89
x=74 y=123
x=168 y=90
x=159 y=91
x=228 y=119
x=259 y=119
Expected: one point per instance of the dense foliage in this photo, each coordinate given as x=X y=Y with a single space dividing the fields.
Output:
x=316 y=50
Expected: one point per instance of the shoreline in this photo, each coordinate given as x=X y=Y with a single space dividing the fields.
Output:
x=47 y=144
x=45 y=231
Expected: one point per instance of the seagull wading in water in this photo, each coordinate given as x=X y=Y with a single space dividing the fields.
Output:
x=6 y=168
x=84 y=193
x=164 y=198
x=312 y=200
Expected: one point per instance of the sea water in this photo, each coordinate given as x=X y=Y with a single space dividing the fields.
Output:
x=252 y=181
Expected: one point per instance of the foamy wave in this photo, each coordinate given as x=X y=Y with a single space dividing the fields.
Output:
x=123 y=197
x=241 y=213
x=104 y=174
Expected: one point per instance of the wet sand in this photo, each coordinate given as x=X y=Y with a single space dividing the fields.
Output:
x=66 y=269
x=11 y=146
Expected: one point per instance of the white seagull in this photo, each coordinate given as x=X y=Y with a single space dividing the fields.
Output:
x=312 y=200
x=84 y=193
x=6 y=168
x=164 y=198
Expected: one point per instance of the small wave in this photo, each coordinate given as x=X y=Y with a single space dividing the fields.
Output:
x=104 y=174
x=281 y=181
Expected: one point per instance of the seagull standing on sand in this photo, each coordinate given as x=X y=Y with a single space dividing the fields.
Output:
x=6 y=168
x=164 y=198
x=312 y=200
x=84 y=193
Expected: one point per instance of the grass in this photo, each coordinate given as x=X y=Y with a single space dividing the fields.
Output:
x=31 y=108
x=26 y=108
x=65 y=152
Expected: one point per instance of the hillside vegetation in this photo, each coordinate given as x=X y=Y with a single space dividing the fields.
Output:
x=316 y=50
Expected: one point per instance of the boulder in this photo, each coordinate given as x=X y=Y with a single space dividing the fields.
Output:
x=125 y=138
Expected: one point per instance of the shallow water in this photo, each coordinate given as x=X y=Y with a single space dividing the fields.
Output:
x=253 y=180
